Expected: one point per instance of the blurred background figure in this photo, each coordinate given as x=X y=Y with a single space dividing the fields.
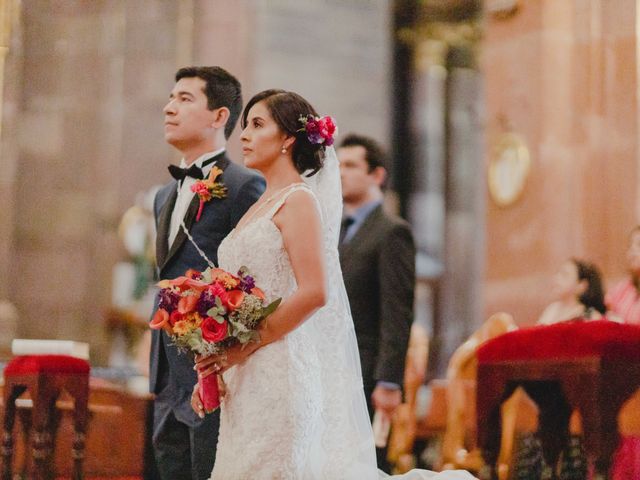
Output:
x=577 y=291
x=623 y=300
x=8 y=327
x=377 y=255
x=133 y=290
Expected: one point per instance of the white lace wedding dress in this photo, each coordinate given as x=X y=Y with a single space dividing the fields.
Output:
x=295 y=409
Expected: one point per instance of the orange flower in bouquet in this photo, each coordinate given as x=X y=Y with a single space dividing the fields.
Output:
x=207 y=312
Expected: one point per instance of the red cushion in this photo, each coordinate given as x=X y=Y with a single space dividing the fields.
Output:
x=33 y=364
x=573 y=339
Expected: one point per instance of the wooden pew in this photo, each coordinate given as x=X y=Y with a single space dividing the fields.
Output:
x=118 y=437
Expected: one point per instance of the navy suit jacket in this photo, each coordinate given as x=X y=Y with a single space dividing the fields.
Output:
x=168 y=367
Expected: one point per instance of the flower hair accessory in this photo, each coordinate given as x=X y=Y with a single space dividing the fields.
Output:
x=208 y=188
x=320 y=130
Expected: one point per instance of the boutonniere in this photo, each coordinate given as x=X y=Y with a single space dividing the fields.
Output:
x=209 y=188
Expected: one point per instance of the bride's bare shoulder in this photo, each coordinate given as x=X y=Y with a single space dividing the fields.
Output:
x=299 y=208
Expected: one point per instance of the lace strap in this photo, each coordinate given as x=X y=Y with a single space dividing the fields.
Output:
x=283 y=198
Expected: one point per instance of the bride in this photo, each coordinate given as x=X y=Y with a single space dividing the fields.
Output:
x=294 y=405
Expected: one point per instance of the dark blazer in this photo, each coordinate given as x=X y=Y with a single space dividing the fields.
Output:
x=378 y=265
x=219 y=217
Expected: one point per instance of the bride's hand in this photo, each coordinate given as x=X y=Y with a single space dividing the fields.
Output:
x=221 y=363
x=207 y=365
x=196 y=403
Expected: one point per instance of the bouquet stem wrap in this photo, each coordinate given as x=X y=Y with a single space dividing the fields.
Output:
x=209 y=392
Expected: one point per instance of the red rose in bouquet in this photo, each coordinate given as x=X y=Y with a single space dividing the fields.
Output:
x=207 y=312
x=213 y=331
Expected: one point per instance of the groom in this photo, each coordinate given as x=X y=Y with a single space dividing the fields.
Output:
x=203 y=110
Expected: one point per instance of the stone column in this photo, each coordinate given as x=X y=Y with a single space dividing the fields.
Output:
x=95 y=77
x=426 y=202
x=461 y=312
x=10 y=55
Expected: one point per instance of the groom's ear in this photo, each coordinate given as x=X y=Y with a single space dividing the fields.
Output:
x=220 y=117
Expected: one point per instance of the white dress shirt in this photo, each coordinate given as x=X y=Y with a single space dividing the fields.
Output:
x=185 y=195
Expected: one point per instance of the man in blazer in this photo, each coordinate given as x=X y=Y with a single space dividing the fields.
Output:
x=377 y=255
x=203 y=109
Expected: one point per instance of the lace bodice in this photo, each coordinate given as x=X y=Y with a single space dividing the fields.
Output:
x=259 y=247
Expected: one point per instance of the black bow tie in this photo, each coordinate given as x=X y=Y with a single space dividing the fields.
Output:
x=180 y=173
x=193 y=171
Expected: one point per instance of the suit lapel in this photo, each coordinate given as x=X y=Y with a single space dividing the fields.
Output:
x=189 y=217
x=363 y=232
x=164 y=223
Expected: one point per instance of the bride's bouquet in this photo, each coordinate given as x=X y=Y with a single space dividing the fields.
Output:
x=207 y=312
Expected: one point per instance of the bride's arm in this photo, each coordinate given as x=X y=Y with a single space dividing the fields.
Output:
x=299 y=223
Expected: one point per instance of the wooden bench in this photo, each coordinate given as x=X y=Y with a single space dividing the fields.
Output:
x=592 y=367
x=118 y=441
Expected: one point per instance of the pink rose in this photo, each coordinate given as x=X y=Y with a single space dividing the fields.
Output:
x=323 y=128
x=331 y=127
x=212 y=331
x=216 y=289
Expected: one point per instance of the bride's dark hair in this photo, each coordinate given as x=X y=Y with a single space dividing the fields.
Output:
x=286 y=108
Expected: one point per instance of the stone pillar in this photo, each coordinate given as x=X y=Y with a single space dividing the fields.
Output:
x=10 y=61
x=426 y=202
x=461 y=312
x=222 y=35
x=95 y=77
x=446 y=207
x=334 y=53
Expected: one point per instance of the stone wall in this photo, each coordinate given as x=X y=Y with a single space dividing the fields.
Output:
x=82 y=136
x=564 y=76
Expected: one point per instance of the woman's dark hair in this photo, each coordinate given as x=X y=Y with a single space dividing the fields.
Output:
x=593 y=296
x=286 y=108
x=222 y=90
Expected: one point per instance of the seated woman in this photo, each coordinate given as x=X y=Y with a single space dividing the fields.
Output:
x=578 y=291
x=623 y=300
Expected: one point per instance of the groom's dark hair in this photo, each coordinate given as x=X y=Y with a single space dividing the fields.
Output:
x=374 y=153
x=222 y=90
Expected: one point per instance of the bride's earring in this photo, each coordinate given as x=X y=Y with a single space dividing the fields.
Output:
x=284 y=150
